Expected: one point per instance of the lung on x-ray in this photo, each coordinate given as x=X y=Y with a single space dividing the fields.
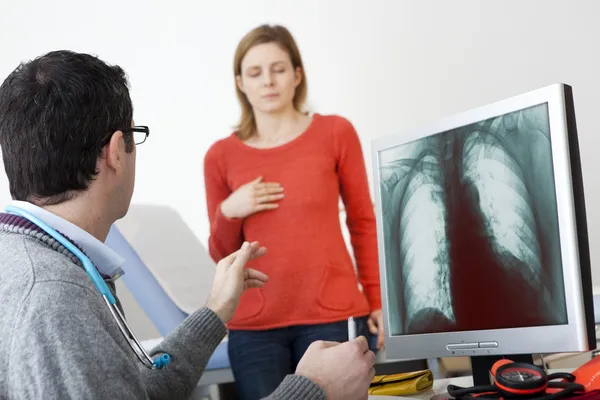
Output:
x=471 y=228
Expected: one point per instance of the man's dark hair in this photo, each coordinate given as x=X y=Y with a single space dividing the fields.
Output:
x=57 y=112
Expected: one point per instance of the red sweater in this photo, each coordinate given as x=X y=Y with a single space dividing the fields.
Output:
x=311 y=274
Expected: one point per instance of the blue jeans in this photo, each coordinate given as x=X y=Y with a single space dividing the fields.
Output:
x=260 y=360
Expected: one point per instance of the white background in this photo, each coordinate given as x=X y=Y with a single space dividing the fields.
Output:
x=387 y=66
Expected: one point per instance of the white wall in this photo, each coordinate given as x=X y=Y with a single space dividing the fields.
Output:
x=388 y=67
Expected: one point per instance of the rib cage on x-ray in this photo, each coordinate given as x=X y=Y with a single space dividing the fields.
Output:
x=504 y=201
x=471 y=228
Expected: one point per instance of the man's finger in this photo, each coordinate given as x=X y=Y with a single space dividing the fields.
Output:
x=242 y=257
x=325 y=344
x=229 y=259
x=259 y=252
x=370 y=358
x=254 y=246
x=250 y=273
x=362 y=343
x=253 y=284
x=255 y=250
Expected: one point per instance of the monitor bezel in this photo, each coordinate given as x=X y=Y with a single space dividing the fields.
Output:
x=572 y=337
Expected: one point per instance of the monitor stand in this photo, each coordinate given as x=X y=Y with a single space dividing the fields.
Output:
x=482 y=365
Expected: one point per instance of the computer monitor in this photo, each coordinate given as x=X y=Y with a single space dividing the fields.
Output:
x=481 y=225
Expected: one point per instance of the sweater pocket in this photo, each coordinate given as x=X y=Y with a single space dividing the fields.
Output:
x=338 y=289
x=251 y=304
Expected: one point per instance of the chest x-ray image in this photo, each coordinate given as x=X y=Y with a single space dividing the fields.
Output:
x=471 y=228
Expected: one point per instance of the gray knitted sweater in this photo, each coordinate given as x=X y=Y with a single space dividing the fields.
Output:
x=58 y=339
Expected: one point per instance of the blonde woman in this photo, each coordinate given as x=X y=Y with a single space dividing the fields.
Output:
x=278 y=179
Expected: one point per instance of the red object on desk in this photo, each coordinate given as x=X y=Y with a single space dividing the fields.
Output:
x=589 y=375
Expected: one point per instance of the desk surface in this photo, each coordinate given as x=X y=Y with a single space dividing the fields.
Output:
x=439 y=387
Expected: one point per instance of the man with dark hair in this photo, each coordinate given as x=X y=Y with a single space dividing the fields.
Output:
x=69 y=145
x=50 y=101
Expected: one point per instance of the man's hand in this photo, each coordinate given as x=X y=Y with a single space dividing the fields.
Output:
x=375 y=323
x=232 y=279
x=344 y=371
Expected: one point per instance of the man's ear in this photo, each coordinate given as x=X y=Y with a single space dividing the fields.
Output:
x=114 y=151
x=239 y=83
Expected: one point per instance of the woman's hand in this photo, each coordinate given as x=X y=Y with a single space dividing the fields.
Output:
x=232 y=279
x=251 y=198
x=375 y=323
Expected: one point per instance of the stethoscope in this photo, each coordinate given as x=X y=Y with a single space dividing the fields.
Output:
x=109 y=299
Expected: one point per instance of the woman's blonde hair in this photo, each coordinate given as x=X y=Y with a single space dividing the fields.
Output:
x=246 y=127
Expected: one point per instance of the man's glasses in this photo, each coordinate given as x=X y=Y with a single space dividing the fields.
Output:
x=140 y=133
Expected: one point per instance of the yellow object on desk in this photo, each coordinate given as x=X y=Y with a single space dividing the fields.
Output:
x=404 y=384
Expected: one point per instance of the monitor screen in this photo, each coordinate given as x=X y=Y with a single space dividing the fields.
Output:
x=470 y=228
